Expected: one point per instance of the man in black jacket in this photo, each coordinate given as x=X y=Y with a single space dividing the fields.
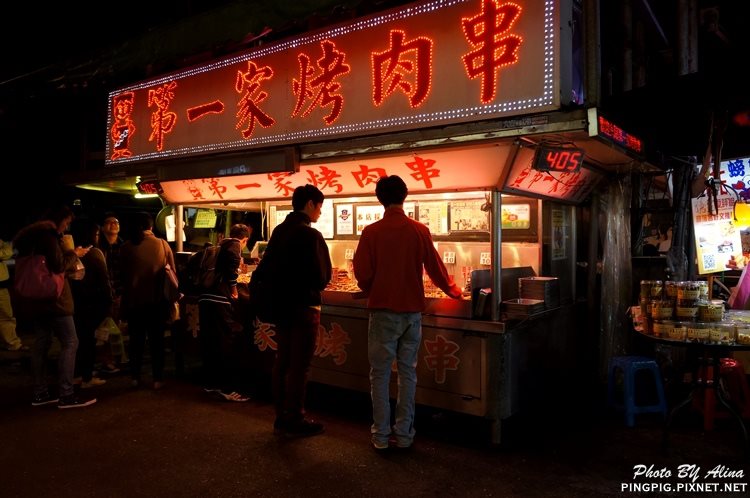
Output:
x=217 y=323
x=295 y=269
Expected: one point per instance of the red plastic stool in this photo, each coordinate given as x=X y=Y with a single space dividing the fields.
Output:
x=732 y=373
x=735 y=380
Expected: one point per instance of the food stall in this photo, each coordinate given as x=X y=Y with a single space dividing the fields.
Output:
x=477 y=357
x=494 y=167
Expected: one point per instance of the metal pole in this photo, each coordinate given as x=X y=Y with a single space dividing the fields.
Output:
x=497 y=253
x=178 y=229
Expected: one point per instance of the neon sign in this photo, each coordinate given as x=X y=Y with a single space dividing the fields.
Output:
x=432 y=63
x=619 y=136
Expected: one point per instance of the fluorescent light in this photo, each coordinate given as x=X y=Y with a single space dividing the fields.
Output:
x=145 y=196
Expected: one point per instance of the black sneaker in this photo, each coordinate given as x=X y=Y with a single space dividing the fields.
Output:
x=278 y=427
x=303 y=428
x=74 y=401
x=43 y=399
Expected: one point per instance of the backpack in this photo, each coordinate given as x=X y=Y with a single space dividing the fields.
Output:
x=204 y=277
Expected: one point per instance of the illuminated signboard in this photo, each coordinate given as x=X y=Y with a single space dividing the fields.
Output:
x=717 y=237
x=566 y=186
x=426 y=171
x=619 y=136
x=564 y=159
x=426 y=64
x=148 y=188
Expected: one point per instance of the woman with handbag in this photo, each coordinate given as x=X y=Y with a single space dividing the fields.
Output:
x=142 y=260
x=43 y=241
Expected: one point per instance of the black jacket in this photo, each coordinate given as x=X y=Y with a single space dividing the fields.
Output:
x=295 y=269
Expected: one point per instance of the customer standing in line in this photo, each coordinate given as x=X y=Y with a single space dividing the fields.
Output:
x=295 y=269
x=50 y=317
x=8 y=337
x=93 y=301
x=110 y=243
x=141 y=259
x=389 y=262
x=217 y=323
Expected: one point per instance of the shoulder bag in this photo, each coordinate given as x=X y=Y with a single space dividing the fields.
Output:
x=34 y=280
x=169 y=286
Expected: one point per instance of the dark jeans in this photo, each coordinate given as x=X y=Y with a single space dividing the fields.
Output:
x=44 y=328
x=296 y=339
x=218 y=331
x=147 y=321
x=86 y=325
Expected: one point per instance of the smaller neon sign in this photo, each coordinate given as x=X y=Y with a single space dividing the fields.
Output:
x=619 y=136
x=149 y=188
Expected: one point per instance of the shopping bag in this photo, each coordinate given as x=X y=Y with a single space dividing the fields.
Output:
x=34 y=280
x=105 y=329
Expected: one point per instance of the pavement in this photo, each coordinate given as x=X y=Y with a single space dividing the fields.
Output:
x=181 y=442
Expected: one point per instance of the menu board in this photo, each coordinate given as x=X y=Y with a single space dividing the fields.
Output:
x=366 y=215
x=325 y=223
x=467 y=216
x=278 y=214
x=205 y=218
x=435 y=216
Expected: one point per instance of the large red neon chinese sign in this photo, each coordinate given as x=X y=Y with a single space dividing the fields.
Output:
x=427 y=64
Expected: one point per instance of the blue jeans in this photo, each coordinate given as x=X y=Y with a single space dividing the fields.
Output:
x=393 y=336
x=65 y=330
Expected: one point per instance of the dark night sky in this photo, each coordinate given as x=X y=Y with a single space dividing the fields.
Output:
x=39 y=81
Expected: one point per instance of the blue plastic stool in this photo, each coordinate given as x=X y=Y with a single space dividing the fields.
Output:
x=629 y=365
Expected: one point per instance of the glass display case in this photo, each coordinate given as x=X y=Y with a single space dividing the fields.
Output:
x=460 y=226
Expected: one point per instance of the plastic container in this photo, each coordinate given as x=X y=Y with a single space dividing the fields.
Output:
x=662 y=309
x=698 y=332
x=689 y=313
x=688 y=291
x=722 y=333
x=678 y=331
x=651 y=289
x=742 y=330
x=712 y=311
x=663 y=328
x=670 y=290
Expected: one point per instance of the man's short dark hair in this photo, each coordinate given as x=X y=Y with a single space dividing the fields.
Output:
x=391 y=190
x=240 y=231
x=306 y=193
